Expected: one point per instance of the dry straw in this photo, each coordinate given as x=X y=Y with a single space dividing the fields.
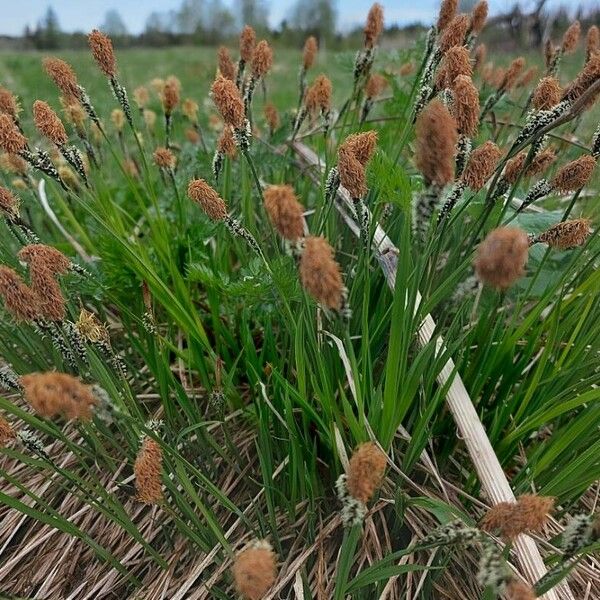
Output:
x=528 y=514
x=547 y=93
x=226 y=66
x=48 y=123
x=365 y=472
x=103 y=53
x=148 y=472
x=56 y=394
x=436 y=134
x=255 y=570
x=501 y=257
x=285 y=212
x=228 y=101
x=374 y=25
x=211 y=203
x=320 y=274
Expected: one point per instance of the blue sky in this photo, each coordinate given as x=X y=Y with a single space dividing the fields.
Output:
x=86 y=14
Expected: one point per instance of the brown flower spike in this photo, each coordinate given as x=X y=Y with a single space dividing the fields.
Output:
x=63 y=76
x=501 y=257
x=226 y=143
x=575 y=174
x=365 y=471
x=310 y=52
x=8 y=103
x=54 y=394
x=456 y=62
x=518 y=590
x=320 y=273
x=103 y=53
x=374 y=25
x=454 y=34
x=7 y=433
x=19 y=299
x=170 y=96
x=375 y=85
x=512 y=74
x=592 y=42
x=437 y=135
x=48 y=123
x=211 y=203
x=228 y=101
x=255 y=570
x=465 y=108
x=285 y=212
x=148 y=471
x=247 y=42
x=353 y=156
x=528 y=514
x=447 y=13
x=479 y=16
x=164 y=158
x=11 y=139
x=571 y=38
x=9 y=204
x=226 y=66
x=566 y=235
x=271 y=116
x=262 y=59
x=546 y=94
x=481 y=165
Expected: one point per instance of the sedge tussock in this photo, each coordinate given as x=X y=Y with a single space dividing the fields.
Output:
x=148 y=472
x=320 y=274
x=436 y=133
x=255 y=570
x=501 y=257
x=285 y=212
x=529 y=514
x=56 y=394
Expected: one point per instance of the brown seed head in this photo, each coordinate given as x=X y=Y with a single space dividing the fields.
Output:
x=148 y=472
x=375 y=85
x=164 y=158
x=8 y=103
x=567 y=234
x=455 y=33
x=518 y=590
x=479 y=16
x=571 y=38
x=226 y=143
x=527 y=77
x=540 y=162
x=255 y=570
x=310 y=52
x=19 y=299
x=74 y=113
x=13 y=163
x=592 y=42
x=447 y=13
x=586 y=78
x=575 y=174
x=501 y=257
x=514 y=166
x=262 y=59
x=48 y=123
x=285 y=212
x=362 y=145
x=481 y=165
x=365 y=471
x=11 y=139
x=54 y=394
x=437 y=135
x=211 y=203
x=228 y=101
x=456 y=62
x=9 y=205
x=192 y=135
x=190 y=109
x=41 y=258
x=247 y=42
x=512 y=74
x=352 y=173
x=547 y=93
x=226 y=66
x=7 y=433
x=374 y=25
x=141 y=95
x=480 y=56
x=117 y=117
x=320 y=94
x=406 y=69
x=91 y=328
x=63 y=76
x=528 y=514
x=465 y=108
x=170 y=96
x=320 y=273
x=103 y=53
x=272 y=116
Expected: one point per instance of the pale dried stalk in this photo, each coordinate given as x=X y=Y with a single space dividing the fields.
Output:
x=485 y=461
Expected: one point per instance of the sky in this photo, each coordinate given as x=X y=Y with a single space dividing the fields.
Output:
x=84 y=15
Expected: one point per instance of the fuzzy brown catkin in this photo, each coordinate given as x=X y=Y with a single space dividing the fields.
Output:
x=19 y=299
x=571 y=38
x=455 y=33
x=436 y=134
x=164 y=158
x=7 y=433
x=226 y=66
x=63 y=76
x=447 y=13
x=575 y=174
x=374 y=25
x=566 y=235
x=375 y=85
x=501 y=257
x=284 y=211
x=48 y=123
x=465 y=108
x=247 y=42
x=262 y=59
x=546 y=94
x=320 y=273
x=519 y=590
x=8 y=103
x=254 y=571
x=271 y=116
x=309 y=52
x=481 y=165
x=228 y=101
x=226 y=143
x=208 y=199
x=11 y=139
x=148 y=472
x=592 y=42
x=103 y=53
x=365 y=471
x=479 y=16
